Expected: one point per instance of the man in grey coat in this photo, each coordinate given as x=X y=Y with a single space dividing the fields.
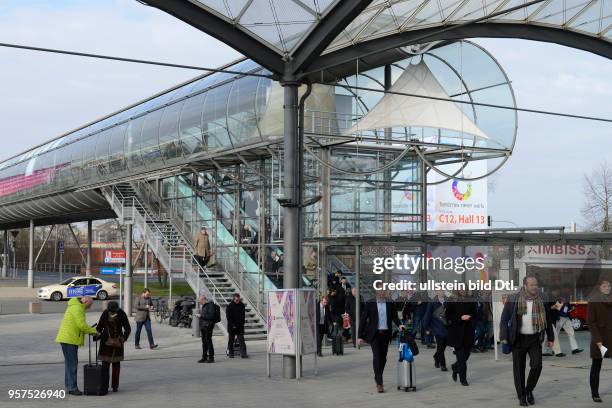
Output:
x=143 y=309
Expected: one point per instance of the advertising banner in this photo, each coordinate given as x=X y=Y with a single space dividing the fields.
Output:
x=307 y=321
x=114 y=256
x=284 y=307
x=454 y=204
x=281 y=322
x=110 y=270
x=458 y=204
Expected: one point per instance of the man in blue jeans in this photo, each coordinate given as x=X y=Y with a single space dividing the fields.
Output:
x=143 y=309
x=70 y=336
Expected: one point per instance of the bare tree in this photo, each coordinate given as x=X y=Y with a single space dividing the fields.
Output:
x=598 y=199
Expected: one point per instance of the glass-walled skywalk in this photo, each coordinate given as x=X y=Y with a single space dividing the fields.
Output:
x=209 y=114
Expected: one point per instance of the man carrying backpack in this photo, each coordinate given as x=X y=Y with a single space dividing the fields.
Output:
x=210 y=314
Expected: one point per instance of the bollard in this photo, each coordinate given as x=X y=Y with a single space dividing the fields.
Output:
x=35 y=307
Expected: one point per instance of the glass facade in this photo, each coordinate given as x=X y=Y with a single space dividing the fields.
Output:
x=283 y=25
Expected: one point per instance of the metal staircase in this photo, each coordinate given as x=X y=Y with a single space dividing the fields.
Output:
x=137 y=203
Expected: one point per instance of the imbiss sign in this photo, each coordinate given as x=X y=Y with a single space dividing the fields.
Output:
x=574 y=251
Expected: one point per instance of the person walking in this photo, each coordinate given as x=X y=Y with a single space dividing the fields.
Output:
x=523 y=324
x=550 y=303
x=210 y=314
x=375 y=327
x=202 y=246
x=435 y=323
x=71 y=336
x=235 y=314
x=351 y=309
x=324 y=323
x=113 y=331
x=144 y=305
x=418 y=307
x=599 y=319
x=565 y=323
x=460 y=310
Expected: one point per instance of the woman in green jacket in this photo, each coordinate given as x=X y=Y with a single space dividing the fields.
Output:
x=71 y=335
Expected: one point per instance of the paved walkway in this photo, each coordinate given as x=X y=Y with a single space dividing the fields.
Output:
x=170 y=376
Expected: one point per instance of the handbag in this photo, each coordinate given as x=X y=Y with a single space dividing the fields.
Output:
x=212 y=260
x=406 y=338
x=346 y=321
x=114 y=342
x=405 y=354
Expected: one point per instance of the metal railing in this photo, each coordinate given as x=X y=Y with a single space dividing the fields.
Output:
x=184 y=253
x=48 y=267
x=224 y=256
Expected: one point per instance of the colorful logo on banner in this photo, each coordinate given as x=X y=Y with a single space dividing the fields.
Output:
x=458 y=194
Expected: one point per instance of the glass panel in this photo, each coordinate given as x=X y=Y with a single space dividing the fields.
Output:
x=168 y=131
x=242 y=120
x=149 y=142
x=214 y=118
x=190 y=126
x=117 y=159
x=76 y=152
x=132 y=143
x=102 y=146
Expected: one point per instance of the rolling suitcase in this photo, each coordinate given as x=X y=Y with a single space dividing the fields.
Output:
x=338 y=344
x=94 y=381
x=406 y=373
x=406 y=376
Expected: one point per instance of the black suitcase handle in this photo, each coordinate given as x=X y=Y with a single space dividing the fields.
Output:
x=96 y=345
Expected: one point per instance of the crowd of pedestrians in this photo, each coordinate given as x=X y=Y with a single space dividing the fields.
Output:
x=462 y=322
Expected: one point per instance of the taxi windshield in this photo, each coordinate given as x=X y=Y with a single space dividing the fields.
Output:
x=67 y=281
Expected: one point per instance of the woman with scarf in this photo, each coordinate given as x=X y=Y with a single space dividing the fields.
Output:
x=460 y=312
x=523 y=323
x=599 y=319
x=114 y=329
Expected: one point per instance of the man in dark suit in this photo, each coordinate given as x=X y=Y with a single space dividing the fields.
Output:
x=351 y=309
x=375 y=327
x=324 y=322
x=523 y=324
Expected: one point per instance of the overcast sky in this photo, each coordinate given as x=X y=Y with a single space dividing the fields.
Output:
x=44 y=95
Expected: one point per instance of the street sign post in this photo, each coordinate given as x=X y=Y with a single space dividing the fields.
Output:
x=60 y=248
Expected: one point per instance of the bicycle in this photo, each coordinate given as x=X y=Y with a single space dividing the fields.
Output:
x=161 y=310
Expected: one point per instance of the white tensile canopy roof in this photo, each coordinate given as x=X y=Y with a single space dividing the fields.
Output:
x=395 y=110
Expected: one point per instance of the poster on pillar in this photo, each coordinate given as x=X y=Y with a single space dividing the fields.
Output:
x=281 y=322
x=307 y=320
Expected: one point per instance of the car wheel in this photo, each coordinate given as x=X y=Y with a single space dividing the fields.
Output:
x=577 y=324
x=56 y=296
x=102 y=295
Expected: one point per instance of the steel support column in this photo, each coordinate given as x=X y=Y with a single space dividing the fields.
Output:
x=146 y=265
x=31 y=257
x=357 y=285
x=325 y=218
x=89 y=247
x=5 y=259
x=387 y=195
x=424 y=213
x=127 y=287
x=291 y=213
